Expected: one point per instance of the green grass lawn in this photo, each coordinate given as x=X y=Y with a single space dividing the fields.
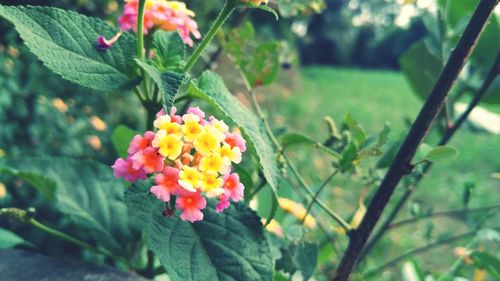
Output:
x=373 y=98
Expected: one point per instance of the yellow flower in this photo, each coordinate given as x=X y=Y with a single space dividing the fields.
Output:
x=60 y=105
x=258 y=2
x=189 y=178
x=165 y=123
x=211 y=184
x=180 y=7
x=207 y=142
x=94 y=142
x=170 y=146
x=191 y=127
x=214 y=163
x=274 y=227
x=297 y=210
x=97 y=123
x=232 y=154
x=219 y=125
x=3 y=190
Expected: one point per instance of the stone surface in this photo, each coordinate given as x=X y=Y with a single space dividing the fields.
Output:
x=20 y=265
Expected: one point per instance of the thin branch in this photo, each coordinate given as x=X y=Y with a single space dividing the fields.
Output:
x=417 y=251
x=447 y=135
x=317 y=193
x=402 y=162
x=442 y=214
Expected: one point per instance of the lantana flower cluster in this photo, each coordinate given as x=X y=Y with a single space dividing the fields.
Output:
x=161 y=14
x=190 y=157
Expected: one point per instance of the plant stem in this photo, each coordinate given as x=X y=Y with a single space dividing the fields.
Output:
x=223 y=15
x=308 y=190
x=442 y=214
x=445 y=138
x=140 y=29
x=33 y=222
x=417 y=251
x=456 y=265
x=401 y=164
x=294 y=170
x=316 y=194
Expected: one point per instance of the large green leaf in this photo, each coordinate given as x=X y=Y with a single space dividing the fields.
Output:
x=171 y=50
x=420 y=68
x=168 y=82
x=9 y=239
x=210 y=87
x=299 y=255
x=66 y=43
x=88 y=194
x=227 y=246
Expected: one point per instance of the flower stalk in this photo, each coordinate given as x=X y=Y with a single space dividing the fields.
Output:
x=226 y=11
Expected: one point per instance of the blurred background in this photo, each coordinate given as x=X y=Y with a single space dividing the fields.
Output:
x=376 y=59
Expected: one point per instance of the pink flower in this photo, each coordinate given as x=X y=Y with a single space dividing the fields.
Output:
x=233 y=188
x=149 y=160
x=161 y=14
x=125 y=169
x=196 y=111
x=223 y=204
x=173 y=117
x=235 y=139
x=191 y=204
x=140 y=143
x=167 y=184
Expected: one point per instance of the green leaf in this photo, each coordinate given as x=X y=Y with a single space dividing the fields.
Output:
x=299 y=139
x=259 y=65
x=171 y=50
x=261 y=7
x=296 y=139
x=9 y=239
x=349 y=154
x=420 y=68
x=226 y=246
x=122 y=135
x=440 y=152
x=88 y=194
x=356 y=131
x=299 y=256
x=43 y=184
x=66 y=43
x=168 y=82
x=210 y=87
x=387 y=158
x=488 y=262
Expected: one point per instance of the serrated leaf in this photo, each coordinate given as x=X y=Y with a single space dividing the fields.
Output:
x=87 y=192
x=227 y=246
x=299 y=256
x=440 y=153
x=171 y=50
x=66 y=43
x=168 y=82
x=210 y=87
x=9 y=239
x=122 y=135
